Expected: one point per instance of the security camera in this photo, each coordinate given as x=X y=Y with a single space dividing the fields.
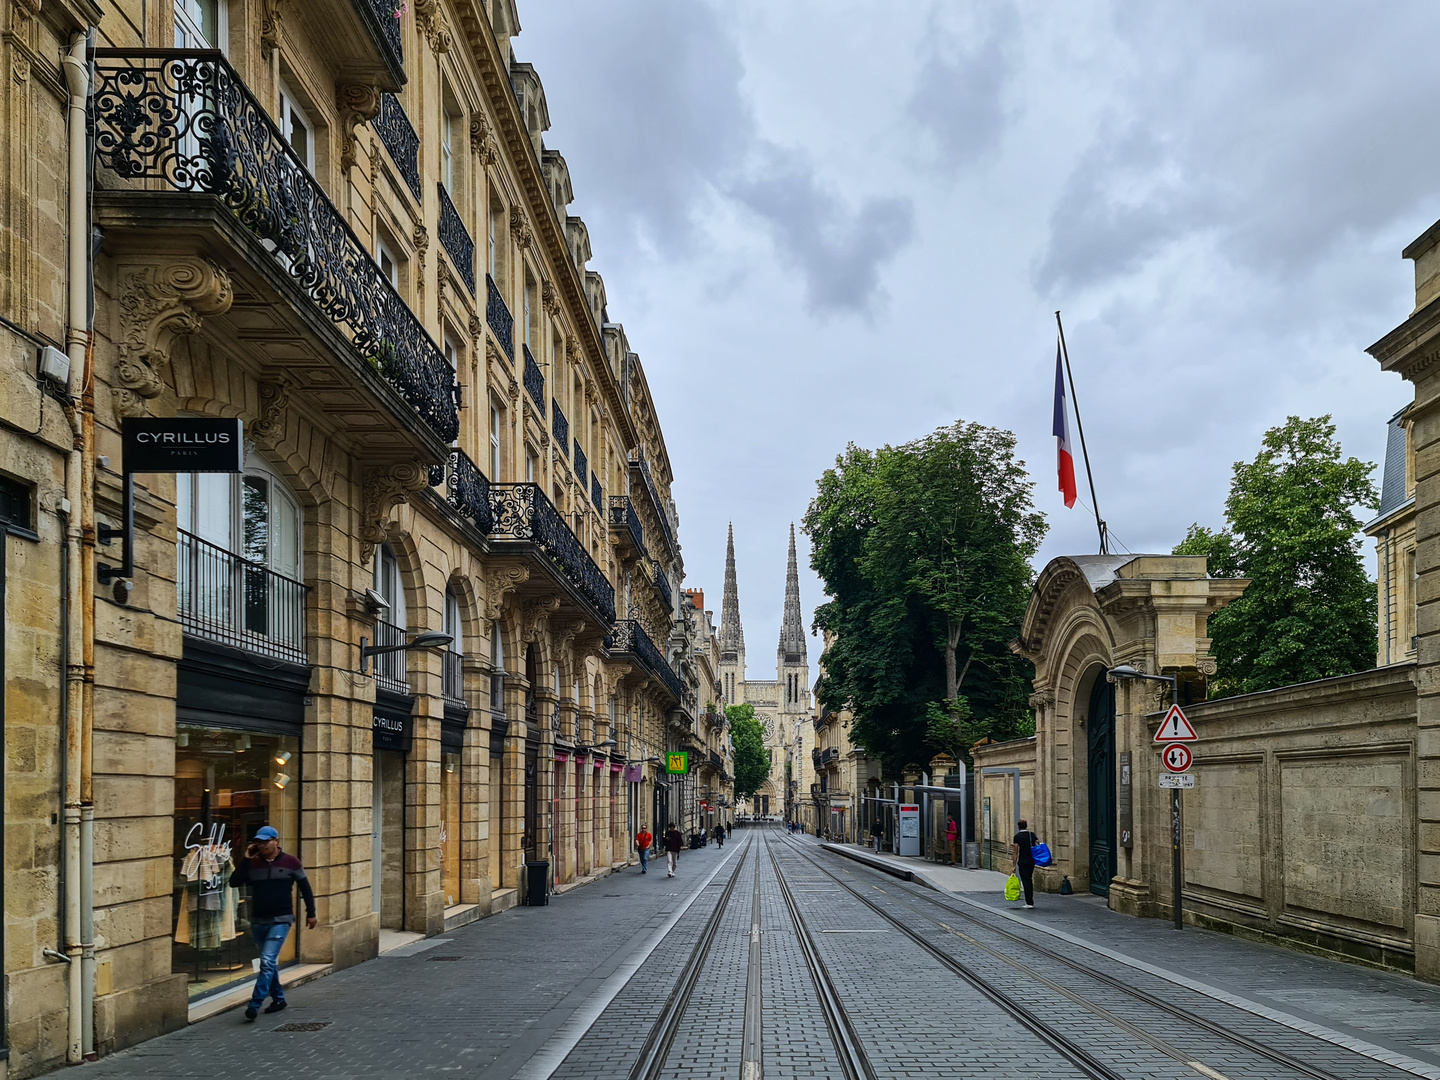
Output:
x=375 y=604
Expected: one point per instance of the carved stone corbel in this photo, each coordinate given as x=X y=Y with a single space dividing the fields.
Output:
x=476 y=327
x=274 y=399
x=359 y=103
x=383 y=490
x=158 y=304
x=520 y=228
x=535 y=617
x=550 y=298
x=270 y=27
x=421 y=239
x=482 y=139
x=431 y=22
x=500 y=584
x=1206 y=665
x=442 y=279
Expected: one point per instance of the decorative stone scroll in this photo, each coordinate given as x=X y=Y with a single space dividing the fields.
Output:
x=158 y=304
x=359 y=103
x=384 y=490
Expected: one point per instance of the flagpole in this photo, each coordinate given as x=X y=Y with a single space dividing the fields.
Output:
x=1080 y=424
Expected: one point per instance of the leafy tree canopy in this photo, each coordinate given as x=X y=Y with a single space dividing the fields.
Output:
x=752 y=760
x=924 y=550
x=1309 y=611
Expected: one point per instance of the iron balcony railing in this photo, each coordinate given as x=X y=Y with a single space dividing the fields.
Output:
x=467 y=489
x=522 y=513
x=390 y=671
x=534 y=380
x=582 y=464
x=455 y=238
x=559 y=427
x=629 y=637
x=715 y=762
x=497 y=315
x=622 y=514
x=452 y=676
x=379 y=17
x=228 y=598
x=662 y=585
x=597 y=493
x=183 y=119
x=643 y=464
x=398 y=137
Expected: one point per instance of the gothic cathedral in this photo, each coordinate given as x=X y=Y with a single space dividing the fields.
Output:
x=782 y=704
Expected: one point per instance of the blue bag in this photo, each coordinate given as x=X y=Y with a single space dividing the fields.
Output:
x=1040 y=853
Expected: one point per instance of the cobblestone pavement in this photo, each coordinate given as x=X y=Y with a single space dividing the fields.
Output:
x=573 y=991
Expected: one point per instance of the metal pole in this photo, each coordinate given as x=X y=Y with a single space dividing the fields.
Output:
x=1080 y=424
x=1177 y=855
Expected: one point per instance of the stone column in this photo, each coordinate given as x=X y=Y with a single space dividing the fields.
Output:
x=512 y=843
x=424 y=895
x=546 y=825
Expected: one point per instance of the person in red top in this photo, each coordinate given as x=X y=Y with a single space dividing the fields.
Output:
x=643 y=840
x=951 y=832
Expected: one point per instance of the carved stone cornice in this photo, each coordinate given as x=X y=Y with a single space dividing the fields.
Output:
x=500 y=583
x=274 y=399
x=383 y=490
x=158 y=304
x=359 y=103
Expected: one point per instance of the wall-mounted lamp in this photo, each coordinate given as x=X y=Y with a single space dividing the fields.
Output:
x=280 y=780
x=242 y=743
x=428 y=640
x=282 y=758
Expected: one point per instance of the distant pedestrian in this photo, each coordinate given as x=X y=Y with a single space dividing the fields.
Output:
x=877 y=830
x=272 y=875
x=728 y=827
x=951 y=832
x=673 y=843
x=643 y=840
x=720 y=835
x=1025 y=859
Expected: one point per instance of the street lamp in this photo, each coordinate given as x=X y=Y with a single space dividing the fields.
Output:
x=1126 y=671
x=430 y=639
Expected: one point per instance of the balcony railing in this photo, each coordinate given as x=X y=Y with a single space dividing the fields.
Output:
x=622 y=513
x=662 y=585
x=390 y=671
x=630 y=637
x=497 y=314
x=534 y=380
x=559 y=426
x=379 y=16
x=227 y=598
x=452 y=675
x=455 y=238
x=398 y=137
x=582 y=465
x=184 y=119
x=467 y=489
x=715 y=762
x=523 y=513
x=643 y=464
x=597 y=493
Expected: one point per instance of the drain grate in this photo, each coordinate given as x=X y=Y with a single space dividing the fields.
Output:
x=311 y=1025
x=434 y=958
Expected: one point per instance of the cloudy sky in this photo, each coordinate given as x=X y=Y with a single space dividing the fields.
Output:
x=824 y=222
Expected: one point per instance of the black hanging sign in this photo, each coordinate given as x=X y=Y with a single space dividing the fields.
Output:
x=391 y=731
x=182 y=444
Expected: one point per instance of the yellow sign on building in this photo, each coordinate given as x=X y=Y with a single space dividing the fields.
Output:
x=677 y=761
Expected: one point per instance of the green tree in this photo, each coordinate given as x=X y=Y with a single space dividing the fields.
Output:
x=1291 y=528
x=752 y=760
x=924 y=549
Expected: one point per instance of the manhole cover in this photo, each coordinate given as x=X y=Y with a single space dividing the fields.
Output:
x=312 y=1025
x=445 y=958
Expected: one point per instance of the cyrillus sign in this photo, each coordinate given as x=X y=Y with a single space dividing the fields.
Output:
x=182 y=444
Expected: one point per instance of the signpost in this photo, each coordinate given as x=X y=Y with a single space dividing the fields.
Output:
x=1174 y=732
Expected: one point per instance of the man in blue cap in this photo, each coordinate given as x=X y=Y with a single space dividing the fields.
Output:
x=272 y=875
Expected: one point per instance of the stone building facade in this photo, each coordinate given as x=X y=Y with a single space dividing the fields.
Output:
x=1393 y=531
x=345 y=230
x=782 y=704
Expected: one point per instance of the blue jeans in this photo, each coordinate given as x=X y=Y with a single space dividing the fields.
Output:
x=644 y=858
x=269 y=939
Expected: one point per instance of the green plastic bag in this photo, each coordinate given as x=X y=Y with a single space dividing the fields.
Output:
x=1012 y=887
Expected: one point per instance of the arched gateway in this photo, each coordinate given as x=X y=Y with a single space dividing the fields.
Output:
x=1093 y=757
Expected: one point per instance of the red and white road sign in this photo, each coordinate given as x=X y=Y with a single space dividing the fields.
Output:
x=1177 y=757
x=1175 y=728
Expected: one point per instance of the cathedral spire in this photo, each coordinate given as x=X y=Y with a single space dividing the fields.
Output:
x=792 y=630
x=732 y=634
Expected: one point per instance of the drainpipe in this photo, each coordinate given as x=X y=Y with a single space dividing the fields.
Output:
x=79 y=597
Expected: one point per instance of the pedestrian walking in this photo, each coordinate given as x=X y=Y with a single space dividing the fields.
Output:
x=272 y=875
x=673 y=843
x=643 y=840
x=951 y=832
x=1025 y=859
x=720 y=835
x=728 y=827
x=877 y=830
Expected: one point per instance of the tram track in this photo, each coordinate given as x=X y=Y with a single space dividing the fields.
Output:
x=1082 y=1058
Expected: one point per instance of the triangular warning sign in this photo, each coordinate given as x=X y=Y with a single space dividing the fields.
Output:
x=1175 y=728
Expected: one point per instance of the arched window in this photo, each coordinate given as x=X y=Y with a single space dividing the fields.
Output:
x=497 y=668
x=453 y=660
x=390 y=626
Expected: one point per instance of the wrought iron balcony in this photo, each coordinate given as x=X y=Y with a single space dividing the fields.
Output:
x=662 y=585
x=622 y=515
x=184 y=120
x=597 y=493
x=467 y=489
x=560 y=427
x=629 y=637
x=452 y=676
x=379 y=18
x=642 y=463
x=398 y=137
x=227 y=598
x=497 y=315
x=522 y=513
x=582 y=464
x=455 y=238
x=715 y=762
x=534 y=380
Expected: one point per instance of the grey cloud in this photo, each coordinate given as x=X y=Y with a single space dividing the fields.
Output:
x=959 y=88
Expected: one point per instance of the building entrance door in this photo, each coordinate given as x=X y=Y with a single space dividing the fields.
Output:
x=1100 y=727
x=532 y=800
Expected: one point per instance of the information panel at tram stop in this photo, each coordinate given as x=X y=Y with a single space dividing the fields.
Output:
x=909 y=829
x=677 y=762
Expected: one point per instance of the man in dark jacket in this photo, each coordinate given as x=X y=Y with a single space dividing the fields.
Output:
x=272 y=875
x=673 y=844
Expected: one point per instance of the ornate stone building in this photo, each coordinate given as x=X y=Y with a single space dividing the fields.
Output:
x=782 y=705
x=1393 y=531
x=344 y=229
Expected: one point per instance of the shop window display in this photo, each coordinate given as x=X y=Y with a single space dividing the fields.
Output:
x=227 y=785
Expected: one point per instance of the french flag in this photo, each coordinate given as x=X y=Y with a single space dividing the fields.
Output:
x=1062 y=435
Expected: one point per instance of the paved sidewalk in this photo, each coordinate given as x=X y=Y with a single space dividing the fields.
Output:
x=1390 y=1010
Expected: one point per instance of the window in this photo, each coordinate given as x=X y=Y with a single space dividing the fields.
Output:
x=452 y=354
x=530 y=464
x=452 y=675
x=497 y=669
x=296 y=127
x=447 y=144
x=495 y=422
x=529 y=313
x=197 y=24
x=389 y=265
x=495 y=213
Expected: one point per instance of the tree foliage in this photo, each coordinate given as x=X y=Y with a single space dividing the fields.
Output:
x=924 y=550
x=1309 y=611
x=752 y=760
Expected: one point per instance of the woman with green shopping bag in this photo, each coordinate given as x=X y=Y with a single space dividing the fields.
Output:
x=1022 y=846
